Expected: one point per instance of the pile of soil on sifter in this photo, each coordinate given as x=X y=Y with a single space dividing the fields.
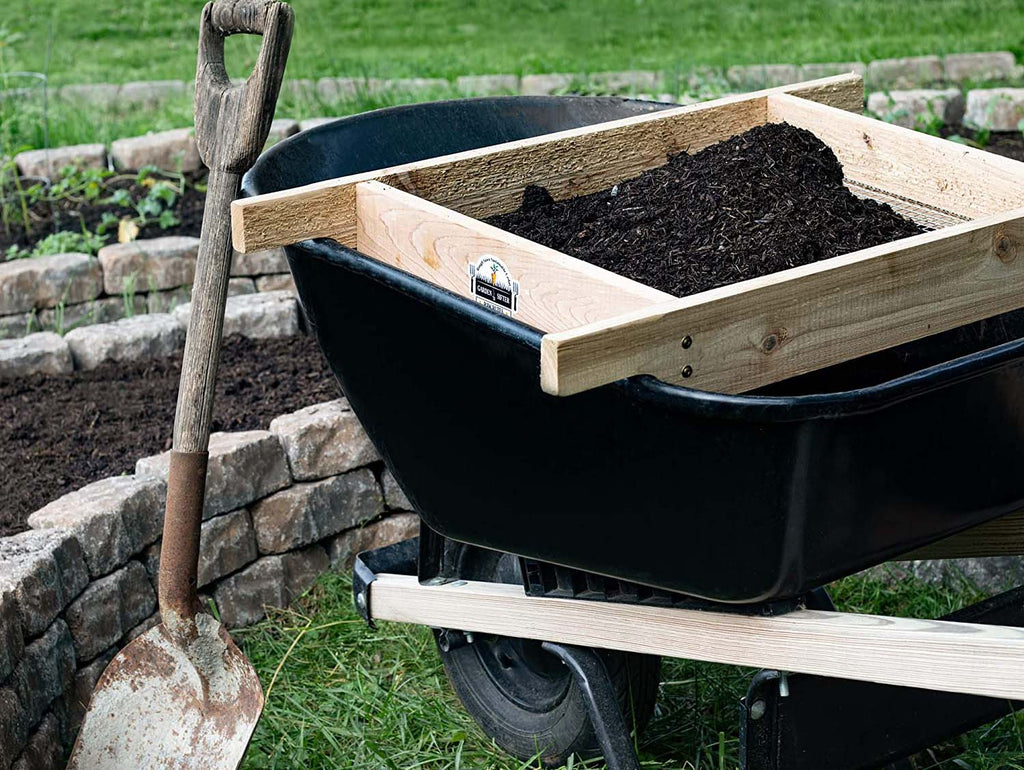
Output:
x=61 y=432
x=769 y=199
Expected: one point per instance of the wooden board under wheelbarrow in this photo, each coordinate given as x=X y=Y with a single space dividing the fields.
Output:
x=601 y=327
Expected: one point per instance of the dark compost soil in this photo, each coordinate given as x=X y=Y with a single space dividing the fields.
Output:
x=59 y=433
x=769 y=199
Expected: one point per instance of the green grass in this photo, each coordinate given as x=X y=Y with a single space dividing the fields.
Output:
x=342 y=696
x=145 y=40
x=115 y=41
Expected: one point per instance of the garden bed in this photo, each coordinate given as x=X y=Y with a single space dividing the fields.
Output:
x=58 y=433
x=87 y=206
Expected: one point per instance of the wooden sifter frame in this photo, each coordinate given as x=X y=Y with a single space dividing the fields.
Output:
x=599 y=327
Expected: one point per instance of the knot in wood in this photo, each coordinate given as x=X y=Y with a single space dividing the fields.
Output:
x=1005 y=247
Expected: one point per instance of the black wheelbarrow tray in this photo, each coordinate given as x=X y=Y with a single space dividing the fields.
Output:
x=710 y=461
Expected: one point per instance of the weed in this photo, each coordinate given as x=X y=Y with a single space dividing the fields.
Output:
x=929 y=122
x=128 y=295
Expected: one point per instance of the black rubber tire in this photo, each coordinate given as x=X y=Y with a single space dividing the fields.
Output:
x=526 y=700
x=552 y=731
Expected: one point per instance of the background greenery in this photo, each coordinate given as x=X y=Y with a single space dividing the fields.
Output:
x=117 y=41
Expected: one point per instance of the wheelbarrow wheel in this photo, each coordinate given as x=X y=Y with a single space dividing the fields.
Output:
x=525 y=698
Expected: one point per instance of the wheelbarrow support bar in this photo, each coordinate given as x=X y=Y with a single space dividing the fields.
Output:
x=941 y=655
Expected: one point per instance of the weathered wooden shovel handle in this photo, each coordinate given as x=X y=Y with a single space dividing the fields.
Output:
x=231 y=123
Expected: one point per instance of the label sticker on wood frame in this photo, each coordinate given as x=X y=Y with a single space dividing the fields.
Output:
x=491 y=284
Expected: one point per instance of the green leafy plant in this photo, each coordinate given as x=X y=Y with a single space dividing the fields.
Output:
x=58 y=317
x=929 y=122
x=64 y=241
x=150 y=200
x=13 y=202
x=155 y=206
x=60 y=242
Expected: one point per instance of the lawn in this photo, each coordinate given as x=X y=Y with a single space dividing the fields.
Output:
x=115 y=41
x=145 y=40
x=342 y=696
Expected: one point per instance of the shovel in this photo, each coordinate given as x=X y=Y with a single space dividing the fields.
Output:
x=183 y=695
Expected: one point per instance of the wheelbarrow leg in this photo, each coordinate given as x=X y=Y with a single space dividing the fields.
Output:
x=609 y=726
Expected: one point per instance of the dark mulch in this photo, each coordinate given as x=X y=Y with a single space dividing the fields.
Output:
x=46 y=218
x=766 y=200
x=58 y=433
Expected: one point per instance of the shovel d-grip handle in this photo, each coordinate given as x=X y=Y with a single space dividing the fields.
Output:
x=233 y=120
x=232 y=123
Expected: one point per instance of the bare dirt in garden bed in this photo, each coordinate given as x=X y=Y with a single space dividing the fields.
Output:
x=59 y=433
x=1009 y=145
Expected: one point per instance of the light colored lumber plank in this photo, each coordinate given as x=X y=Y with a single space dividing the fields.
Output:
x=934 y=655
x=490 y=180
x=1001 y=537
x=767 y=329
x=965 y=180
x=437 y=244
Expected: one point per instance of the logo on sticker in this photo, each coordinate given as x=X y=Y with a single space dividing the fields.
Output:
x=491 y=285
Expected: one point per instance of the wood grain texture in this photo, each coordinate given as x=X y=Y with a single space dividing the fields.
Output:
x=1002 y=537
x=766 y=329
x=934 y=655
x=432 y=242
x=491 y=180
x=967 y=181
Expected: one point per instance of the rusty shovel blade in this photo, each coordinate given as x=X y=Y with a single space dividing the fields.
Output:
x=164 y=704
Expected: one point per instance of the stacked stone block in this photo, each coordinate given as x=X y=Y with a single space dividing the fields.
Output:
x=282 y=506
x=71 y=291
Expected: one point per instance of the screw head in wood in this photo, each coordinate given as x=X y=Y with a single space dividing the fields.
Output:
x=686 y=342
x=687 y=371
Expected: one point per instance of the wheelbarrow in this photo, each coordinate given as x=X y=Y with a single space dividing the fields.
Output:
x=606 y=475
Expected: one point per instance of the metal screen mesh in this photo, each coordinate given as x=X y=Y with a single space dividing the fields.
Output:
x=927 y=216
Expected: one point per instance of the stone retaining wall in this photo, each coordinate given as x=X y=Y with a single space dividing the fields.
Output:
x=269 y=314
x=905 y=72
x=176 y=149
x=61 y=292
x=282 y=506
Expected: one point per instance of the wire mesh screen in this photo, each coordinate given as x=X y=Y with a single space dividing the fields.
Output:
x=929 y=217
